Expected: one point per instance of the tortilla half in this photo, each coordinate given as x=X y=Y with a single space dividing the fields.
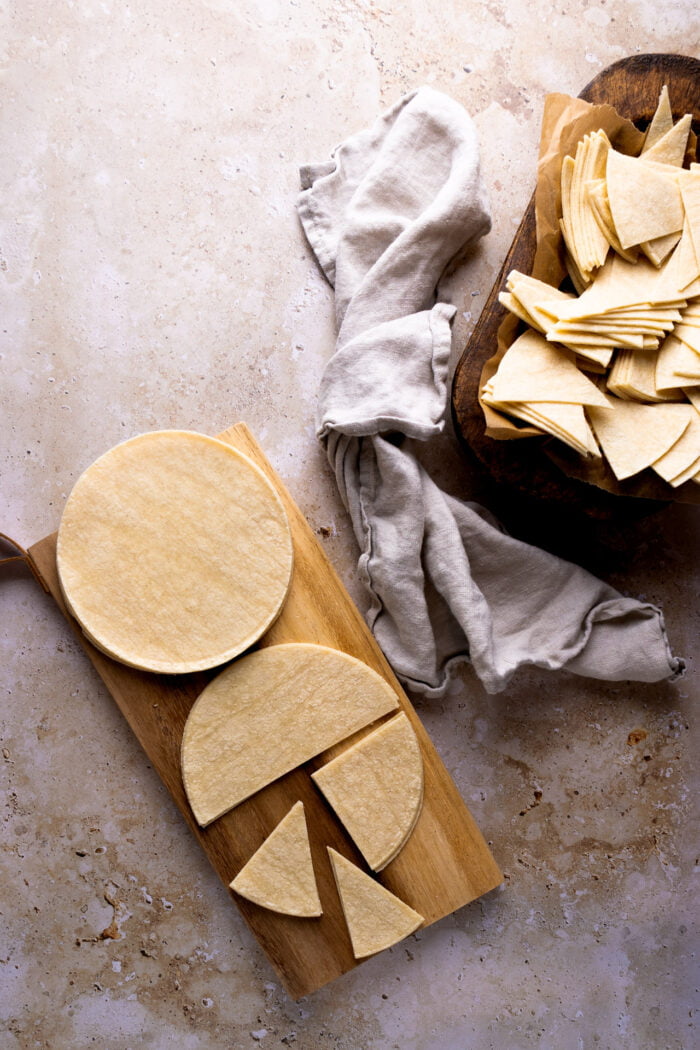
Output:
x=269 y=712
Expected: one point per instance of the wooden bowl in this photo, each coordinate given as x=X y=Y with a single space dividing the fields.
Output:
x=543 y=471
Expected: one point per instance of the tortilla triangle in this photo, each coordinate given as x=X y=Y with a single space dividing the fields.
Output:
x=671 y=147
x=645 y=203
x=633 y=435
x=677 y=463
x=533 y=369
x=280 y=874
x=690 y=193
x=661 y=122
x=376 y=919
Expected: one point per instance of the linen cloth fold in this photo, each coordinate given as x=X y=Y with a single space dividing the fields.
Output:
x=390 y=214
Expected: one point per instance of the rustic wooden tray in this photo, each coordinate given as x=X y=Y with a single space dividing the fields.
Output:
x=523 y=467
x=444 y=865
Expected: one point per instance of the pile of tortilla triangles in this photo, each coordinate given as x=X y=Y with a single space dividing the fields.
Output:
x=613 y=368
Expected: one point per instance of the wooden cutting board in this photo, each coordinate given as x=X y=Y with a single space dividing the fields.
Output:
x=523 y=467
x=444 y=865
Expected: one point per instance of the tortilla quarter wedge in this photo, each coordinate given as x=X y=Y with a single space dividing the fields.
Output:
x=376 y=788
x=375 y=917
x=280 y=874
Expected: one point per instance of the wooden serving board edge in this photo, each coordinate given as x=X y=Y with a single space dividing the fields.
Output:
x=446 y=862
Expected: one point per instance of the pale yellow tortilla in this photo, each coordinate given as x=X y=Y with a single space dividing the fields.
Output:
x=671 y=146
x=635 y=435
x=690 y=335
x=376 y=789
x=280 y=874
x=684 y=264
x=676 y=364
x=633 y=375
x=589 y=243
x=660 y=248
x=174 y=552
x=529 y=293
x=621 y=286
x=661 y=122
x=679 y=462
x=375 y=917
x=597 y=194
x=269 y=712
x=645 y=203
x=533 y=369
x=567 y=422
x=689 y=474
x=690 y=195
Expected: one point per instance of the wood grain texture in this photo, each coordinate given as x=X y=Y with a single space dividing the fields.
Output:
x=445 y=863
x=524 y=467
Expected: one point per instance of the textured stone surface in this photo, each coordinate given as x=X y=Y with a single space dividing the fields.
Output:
x=153 y=274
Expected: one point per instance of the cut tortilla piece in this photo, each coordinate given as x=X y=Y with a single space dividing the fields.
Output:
x=280 y=874
x=688 y=334
x=676 y=365
x=658 y=250
x=375 y=917
x=174 y=552
x=645 y=203
x=597 y=194
x=633 y=376
x=566 y=422
x=622 y=286
x=691 y=314
x=678 y=463
x=684 y=265
x=303 y=697
x=376 y=789
x=530 y=293
x=690 y=194
x=661 y=122
x=589 y=243
x=533 y=369
x=671 y=146
x=634 y=435
x=689 y=474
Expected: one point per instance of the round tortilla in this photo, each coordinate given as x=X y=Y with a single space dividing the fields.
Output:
x=174 y=552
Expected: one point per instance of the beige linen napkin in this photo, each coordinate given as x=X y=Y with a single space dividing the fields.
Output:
x=392 y=212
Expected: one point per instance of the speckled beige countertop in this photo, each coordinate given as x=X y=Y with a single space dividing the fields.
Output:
x=153 y=275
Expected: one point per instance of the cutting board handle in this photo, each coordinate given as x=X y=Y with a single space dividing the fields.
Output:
x=19 y=554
